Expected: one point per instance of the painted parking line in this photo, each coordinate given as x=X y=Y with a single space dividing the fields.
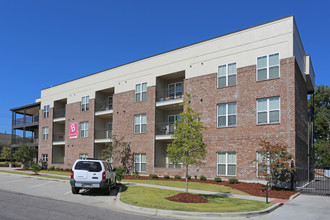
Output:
x=35 y=186
x=67 y=192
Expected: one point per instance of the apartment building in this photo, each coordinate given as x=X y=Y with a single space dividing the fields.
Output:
x=248 y=85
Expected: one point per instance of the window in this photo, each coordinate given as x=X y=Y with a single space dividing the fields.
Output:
x=171 y=164
x=84 y=103
x=261 y=169
x=268 y=110
x=139 y=162
x=44 y=157
x=45 y=133
x=84 y=129
x=227 y=75
x=140 y=123
x=175 y=90
x=141 y=92
x=83 y=156
x=46 y=111
x=268 y=67
x=227 y=114
x=172 y=119
x=110 y=102
x=109 y=130
x=226 y=163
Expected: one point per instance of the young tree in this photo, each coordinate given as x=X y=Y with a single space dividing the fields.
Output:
x=188 y=146
x=119 y=151
x=24 y=154
x=275 y=162
x=5 y=153
x=321 y=101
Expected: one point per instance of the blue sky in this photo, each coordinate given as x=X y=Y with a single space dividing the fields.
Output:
x=44 y=43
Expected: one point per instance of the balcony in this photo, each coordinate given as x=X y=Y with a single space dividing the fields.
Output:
x=28 y=120
x=102 y=135
x=165 y=130
x=104 y=106
x=59 y=115
x=26 y=140
x=59 y=138
x=170 y=97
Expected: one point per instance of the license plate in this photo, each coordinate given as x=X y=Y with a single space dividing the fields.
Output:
x=86 y=185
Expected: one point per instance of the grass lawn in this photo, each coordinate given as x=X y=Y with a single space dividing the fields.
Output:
x=191 y=185
x=30 y=174
x=64 y=173
x=156 y=198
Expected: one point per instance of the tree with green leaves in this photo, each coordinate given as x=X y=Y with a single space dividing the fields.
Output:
x=321 y=101
x=25 y=154
x=188 y=146
x=275 y=162
x=5 y=153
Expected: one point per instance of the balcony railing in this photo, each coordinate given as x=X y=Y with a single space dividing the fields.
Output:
x=27 y=140
x=102 y=105
x=58 y=137
x=165 y=128
x=103 y=134
x=59 y=113
x=34 y=119
x=166 y=94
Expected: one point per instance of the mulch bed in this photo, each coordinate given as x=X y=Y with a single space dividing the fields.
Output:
x=254 y=189
x=187 y=198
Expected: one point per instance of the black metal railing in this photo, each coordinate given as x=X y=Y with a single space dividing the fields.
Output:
x=165 y=128
x=58 y=136
x=101 y=105
x=34 y=119
x=166 y=95
x=26 y=140
x=59 y=113
x=103 y=134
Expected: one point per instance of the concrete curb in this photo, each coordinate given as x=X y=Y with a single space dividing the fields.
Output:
x=36 y=176
x=161 y=212
x=294 y=196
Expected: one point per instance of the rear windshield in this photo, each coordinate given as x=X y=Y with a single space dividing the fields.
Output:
x=91 y=166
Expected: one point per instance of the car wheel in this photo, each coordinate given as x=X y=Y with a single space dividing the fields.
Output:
x=74 y=190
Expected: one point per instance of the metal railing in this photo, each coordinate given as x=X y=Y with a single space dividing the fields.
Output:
x=165 y=128
x=165 y=95
x=28 y=120
x=26 y=140
x=103 y=134
x=101 y=105
x=59 y=113
x=58 y=136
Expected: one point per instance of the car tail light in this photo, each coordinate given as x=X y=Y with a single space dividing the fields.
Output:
x=103 y=175
x=72 y=174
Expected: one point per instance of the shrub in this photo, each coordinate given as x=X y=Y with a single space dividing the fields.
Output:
x=177 y=176
x=58 y=169
x=36 y=168
x=166 y=176
x=202 y=177
x=189 y=177
x=120 y=173
x=136 y=175
x=217 y=179
x=67 y=169
x=232 y=180
x=52 y=168
x=153 y=176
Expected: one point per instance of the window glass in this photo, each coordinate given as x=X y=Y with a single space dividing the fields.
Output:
x=262 y=104
x=262 y=62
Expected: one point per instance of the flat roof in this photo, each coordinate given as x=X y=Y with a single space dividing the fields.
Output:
x=36 y=104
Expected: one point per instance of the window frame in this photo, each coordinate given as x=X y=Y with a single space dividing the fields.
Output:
x=268 y=111
x=268 y=67
x=83 y=156
x=175 y=92
x=175 y=166
x=227 y=74
x=46 y=111
x=140 y=123
x=84 y=104
x=141 y=92
x=226 y=115
x=45 y=135
x=140 y=162
x=226 y=163
x=257 y=164
x=44 y=157
x=83 y=129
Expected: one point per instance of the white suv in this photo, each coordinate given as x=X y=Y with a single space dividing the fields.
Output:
x=92 y=173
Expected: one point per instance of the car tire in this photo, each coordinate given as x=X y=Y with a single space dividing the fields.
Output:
x=107 y=190
x=74 y=190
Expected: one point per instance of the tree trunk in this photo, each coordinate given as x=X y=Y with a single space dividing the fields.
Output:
x=186 y=178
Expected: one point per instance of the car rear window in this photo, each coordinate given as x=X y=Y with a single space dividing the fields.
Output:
x=91 y=166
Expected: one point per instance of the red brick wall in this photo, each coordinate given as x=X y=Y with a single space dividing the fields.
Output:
x=45 y=146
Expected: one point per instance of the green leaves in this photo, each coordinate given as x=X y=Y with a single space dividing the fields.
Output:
x=24 y=154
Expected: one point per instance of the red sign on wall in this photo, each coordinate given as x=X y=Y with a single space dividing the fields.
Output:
x=73 y=130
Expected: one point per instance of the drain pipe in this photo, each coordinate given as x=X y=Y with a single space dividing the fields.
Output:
x=267 y=186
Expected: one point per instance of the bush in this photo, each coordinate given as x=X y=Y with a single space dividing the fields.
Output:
x=217 y=179
x=153 y=176
x=189 y=177
x=177 y=176
x=67 y=169
x=120 y=173
x=52 y=168
x=232 y=180
x=202 y=177
x=58 y=169
x=166 y=176
x=136 y=175
x=36 y=168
